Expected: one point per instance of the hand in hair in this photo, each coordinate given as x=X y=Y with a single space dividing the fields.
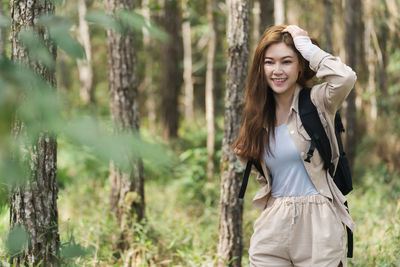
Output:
x=237 y=150
x=295 y=31
x=302 y=41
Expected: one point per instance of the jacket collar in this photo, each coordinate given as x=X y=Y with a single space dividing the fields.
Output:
x=295 y=101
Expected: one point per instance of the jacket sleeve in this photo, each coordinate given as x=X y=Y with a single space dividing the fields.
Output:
x=339 y=80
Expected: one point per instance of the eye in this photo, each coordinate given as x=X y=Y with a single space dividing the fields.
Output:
x=287 y=62
x=268 y=62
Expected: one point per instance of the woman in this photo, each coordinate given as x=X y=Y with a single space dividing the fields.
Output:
x=304 y=217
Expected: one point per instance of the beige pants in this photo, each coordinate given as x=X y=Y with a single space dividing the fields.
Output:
x=298 y=231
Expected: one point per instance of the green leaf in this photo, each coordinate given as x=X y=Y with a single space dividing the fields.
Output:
x=60 y=33
x=73 y=251
x=17 y=240
x=102 y=19
x=36 y=48
x=4 y=21
x=40 y=112
x=133 y=20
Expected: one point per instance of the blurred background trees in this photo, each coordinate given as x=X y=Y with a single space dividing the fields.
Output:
x=148 y=86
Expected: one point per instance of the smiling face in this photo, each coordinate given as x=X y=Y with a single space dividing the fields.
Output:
x=281 y=68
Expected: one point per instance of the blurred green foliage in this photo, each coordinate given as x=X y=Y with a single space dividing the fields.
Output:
x=17 y=241
x=126 y=20
x=28 y=100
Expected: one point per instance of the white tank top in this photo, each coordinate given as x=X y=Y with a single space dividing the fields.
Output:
x=289 y=176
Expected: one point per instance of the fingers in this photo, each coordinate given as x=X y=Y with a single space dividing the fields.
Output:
x=295 y=30
x=237 y=150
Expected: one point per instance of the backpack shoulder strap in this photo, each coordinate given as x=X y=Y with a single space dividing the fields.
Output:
x=313 y=126
x=246 y=175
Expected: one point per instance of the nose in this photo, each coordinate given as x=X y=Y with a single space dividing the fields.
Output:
x=277 y=68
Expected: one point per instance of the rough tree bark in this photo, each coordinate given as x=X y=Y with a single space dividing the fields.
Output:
x=352 y=21
x=85 y=70
x=127 y=187
x=187 y=64
x=212 y=44
x=230 y=207
x=33 y=204
x=171 y=73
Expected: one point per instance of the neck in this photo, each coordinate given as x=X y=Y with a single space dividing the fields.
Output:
x=284 y=101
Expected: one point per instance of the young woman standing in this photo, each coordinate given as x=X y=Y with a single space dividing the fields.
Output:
x=304 y=217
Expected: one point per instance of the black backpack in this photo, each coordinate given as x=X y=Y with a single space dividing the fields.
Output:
x=319 y=140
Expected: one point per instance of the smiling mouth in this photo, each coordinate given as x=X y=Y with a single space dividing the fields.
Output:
x=279 y=81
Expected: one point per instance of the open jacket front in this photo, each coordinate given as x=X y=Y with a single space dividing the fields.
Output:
x=328 y=96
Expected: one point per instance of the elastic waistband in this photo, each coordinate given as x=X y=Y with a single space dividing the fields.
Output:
x=317 y=199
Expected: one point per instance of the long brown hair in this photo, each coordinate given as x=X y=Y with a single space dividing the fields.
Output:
x=259 y=107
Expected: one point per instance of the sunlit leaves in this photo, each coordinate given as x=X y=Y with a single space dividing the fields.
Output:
x=37 y=49
x=126 y=20
x=35 y=103
x=131 y=19
x=59 y=31
x=102 y=19
x=123 y=148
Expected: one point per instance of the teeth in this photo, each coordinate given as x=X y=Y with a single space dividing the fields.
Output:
x=279 y=80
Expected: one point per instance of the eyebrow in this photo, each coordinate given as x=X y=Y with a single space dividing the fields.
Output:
x=281 y=57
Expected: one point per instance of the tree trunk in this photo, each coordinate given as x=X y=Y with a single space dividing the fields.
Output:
x=352 y=21
x=127 y=187
x=147 y=87
x=3 y=34
x=187 y=64
x=328 y=25
x=210 y=89
x=371 y=56
x=85 y=71
x=279 y=12
x=171 y=73
x=267 y=14
x=383 y=37
x=263 y=17
x=33 y=204
x=230 y=207
x=255 y=28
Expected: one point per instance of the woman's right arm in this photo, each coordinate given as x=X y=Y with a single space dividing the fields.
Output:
x=339 y=80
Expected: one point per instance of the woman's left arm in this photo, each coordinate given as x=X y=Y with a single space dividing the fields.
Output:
x=339 y=78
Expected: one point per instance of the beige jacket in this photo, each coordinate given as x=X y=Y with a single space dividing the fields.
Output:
x=327 y=97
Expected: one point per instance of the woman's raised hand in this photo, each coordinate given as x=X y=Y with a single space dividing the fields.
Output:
x=237 y=150
x=295 y=31
x=302 y=41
